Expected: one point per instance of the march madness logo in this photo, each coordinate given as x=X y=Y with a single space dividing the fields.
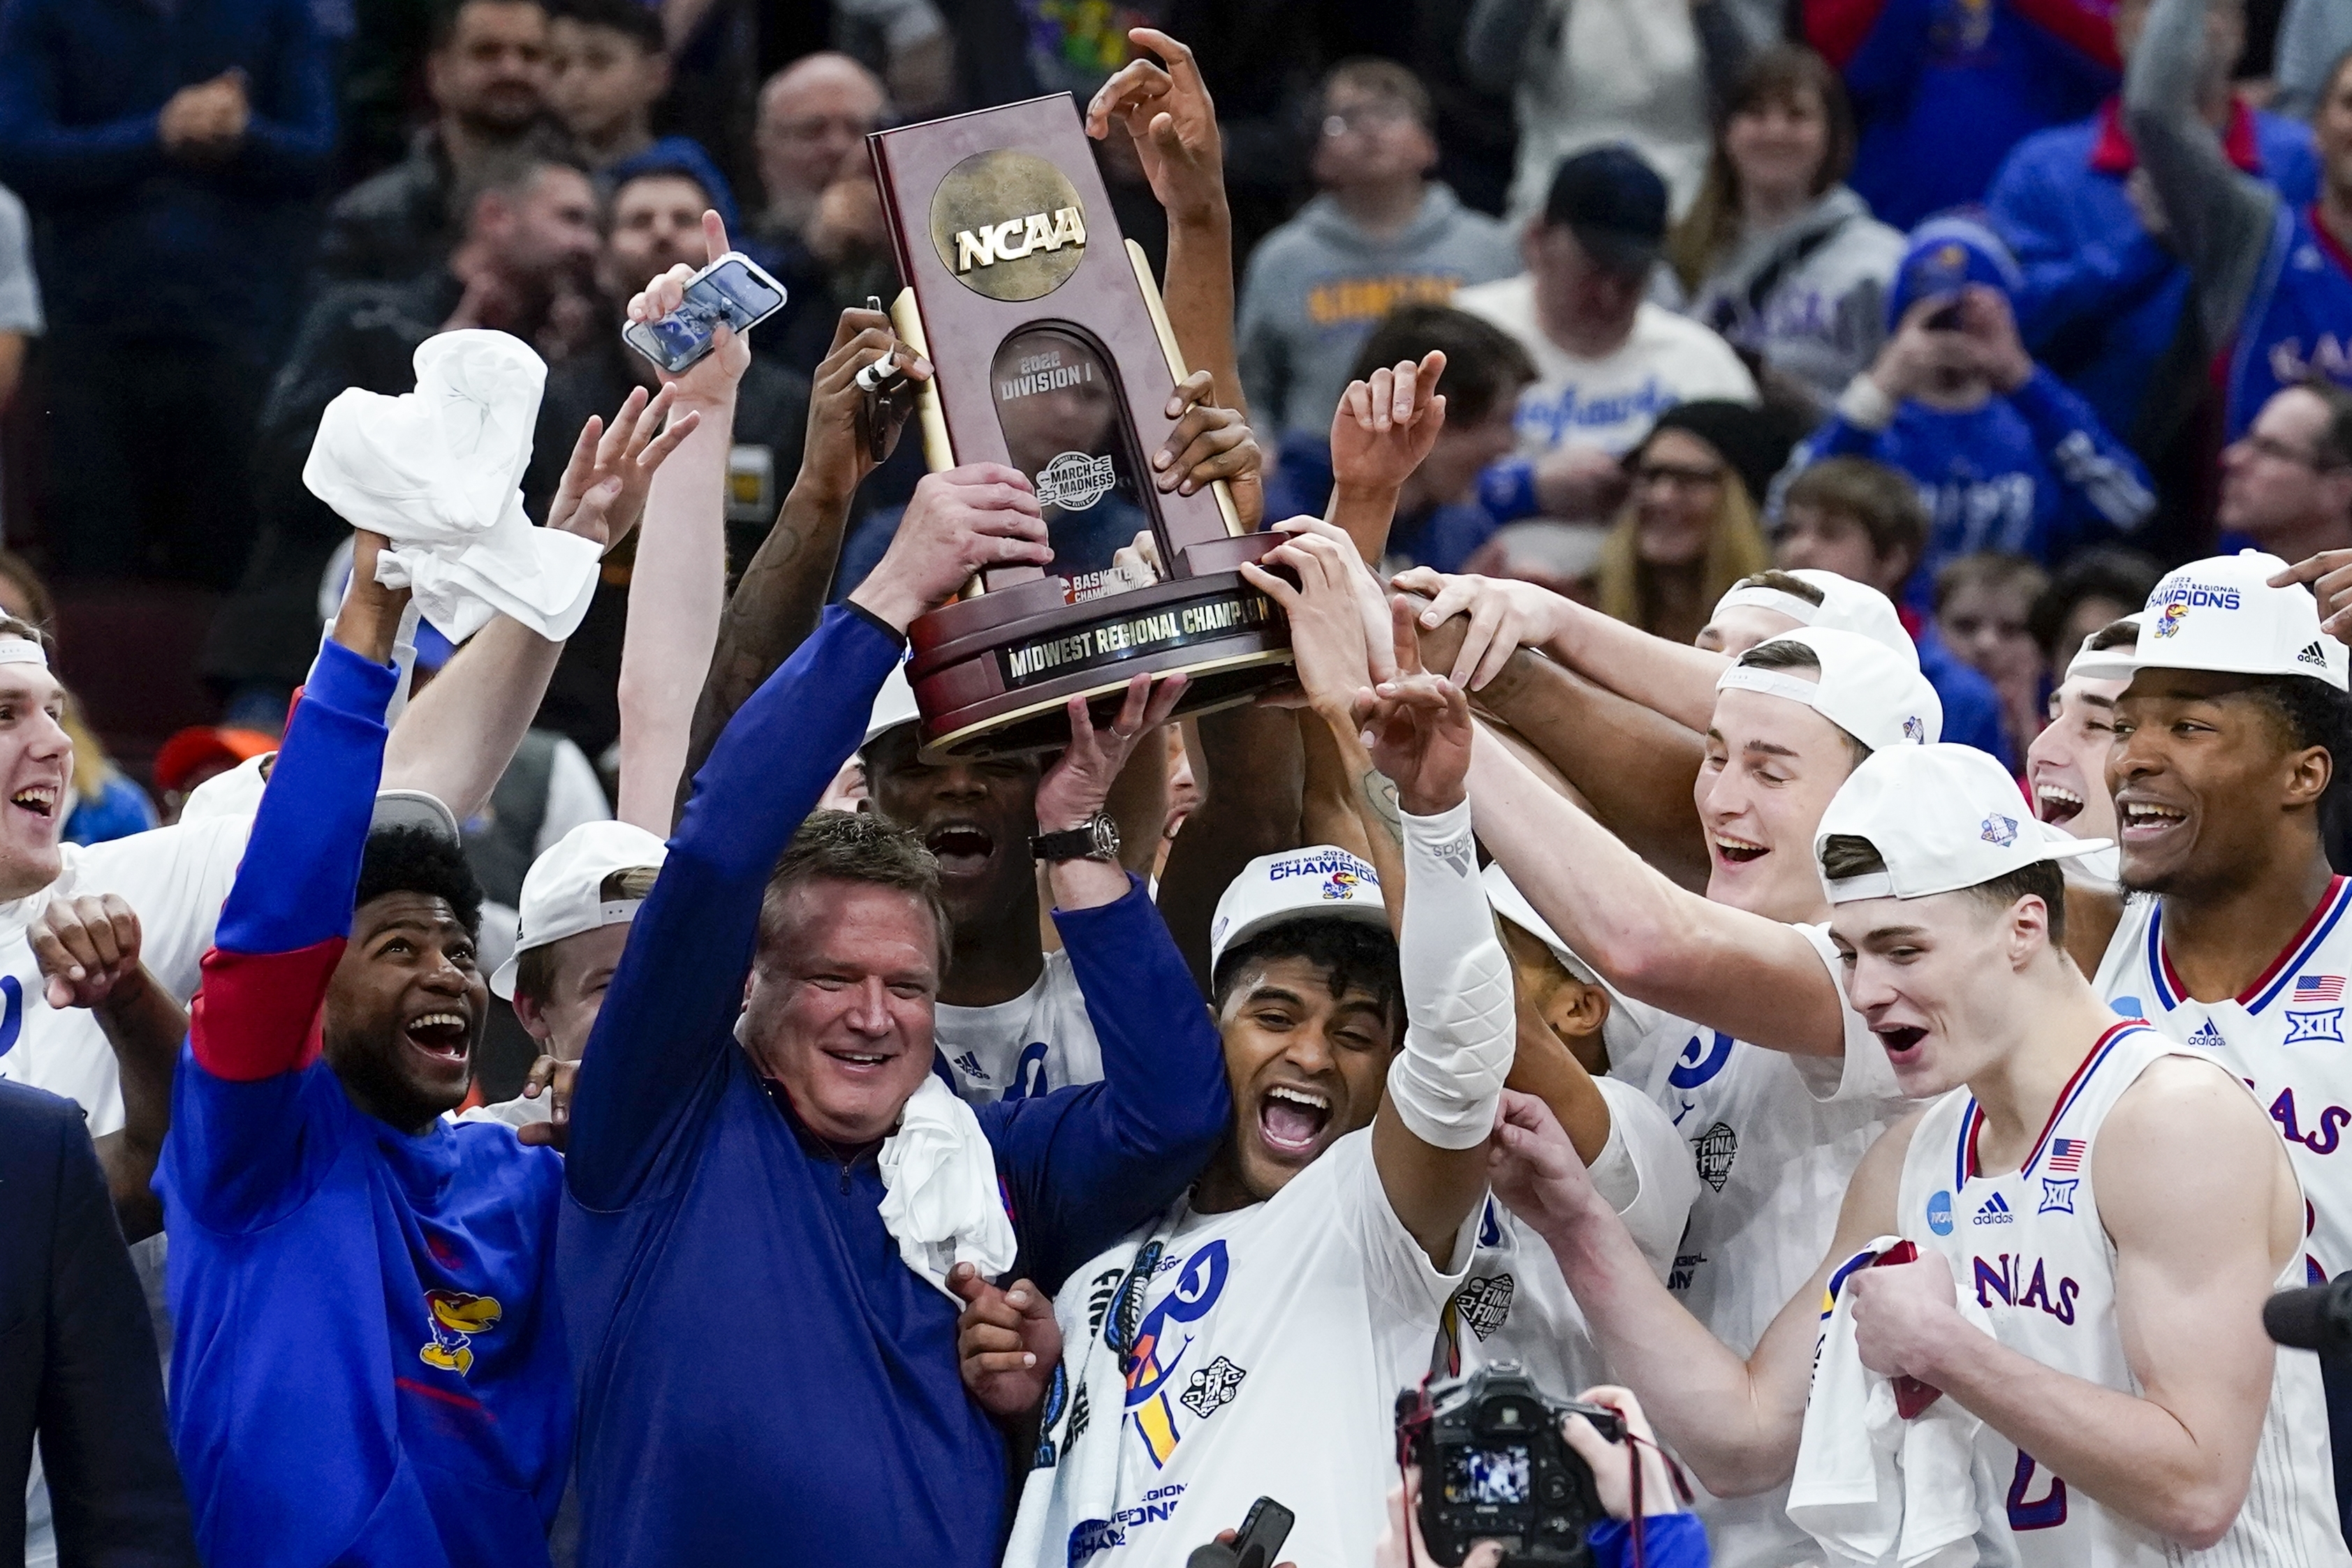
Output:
x=2316 y=1010
x=1999 y=830
x=455 y=1317
x=1914 y=729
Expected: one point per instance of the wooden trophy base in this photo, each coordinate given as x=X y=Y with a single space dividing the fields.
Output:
x=993 y=675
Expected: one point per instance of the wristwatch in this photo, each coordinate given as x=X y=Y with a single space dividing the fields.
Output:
x=1095 y=839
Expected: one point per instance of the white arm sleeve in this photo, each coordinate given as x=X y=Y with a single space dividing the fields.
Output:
x=1460 y=1026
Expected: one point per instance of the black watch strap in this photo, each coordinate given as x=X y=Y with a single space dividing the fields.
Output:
x=1095 y=839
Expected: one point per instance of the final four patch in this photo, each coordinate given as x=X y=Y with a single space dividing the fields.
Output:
x=1484 y=1303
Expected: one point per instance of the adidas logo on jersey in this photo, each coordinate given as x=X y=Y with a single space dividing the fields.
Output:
x=969 y=1065
x=2313 y=655
x=1995 y=1212
x=2208 y=1038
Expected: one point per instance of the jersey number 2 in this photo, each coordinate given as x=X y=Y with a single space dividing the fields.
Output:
x=2046 y=1514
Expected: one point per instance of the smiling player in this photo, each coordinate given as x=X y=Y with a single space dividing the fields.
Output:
x=2066 y=766
x=2114 y=1202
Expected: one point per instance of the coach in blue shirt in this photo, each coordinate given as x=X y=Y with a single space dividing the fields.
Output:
x=765 y=1374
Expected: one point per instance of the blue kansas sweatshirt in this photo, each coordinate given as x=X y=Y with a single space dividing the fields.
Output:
x=368 y=1366
x=762 y=1380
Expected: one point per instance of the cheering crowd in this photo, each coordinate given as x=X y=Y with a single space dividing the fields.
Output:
x=1789 y=891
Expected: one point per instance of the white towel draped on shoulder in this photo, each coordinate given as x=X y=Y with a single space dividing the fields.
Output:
x=940 y=1201
x=436 y=472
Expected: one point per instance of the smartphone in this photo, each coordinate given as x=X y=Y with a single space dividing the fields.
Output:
x=1263 y=1530
x=1948 y=319
x=734 y=290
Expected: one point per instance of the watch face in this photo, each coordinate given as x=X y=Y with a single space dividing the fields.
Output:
x=1105 y=837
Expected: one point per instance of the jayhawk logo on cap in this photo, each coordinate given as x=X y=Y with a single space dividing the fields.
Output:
x=1341 y=886
x=456 y=1316
x=2169 y=621
x=1999 y=830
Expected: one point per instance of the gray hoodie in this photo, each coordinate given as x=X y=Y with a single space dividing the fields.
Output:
x=1809 y=296
x=1316 y=286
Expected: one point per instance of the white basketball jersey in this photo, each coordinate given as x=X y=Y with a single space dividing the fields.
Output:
x=2030 y=1245
x=2283 y=1034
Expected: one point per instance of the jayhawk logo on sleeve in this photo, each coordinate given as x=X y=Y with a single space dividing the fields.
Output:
x=456 y=1316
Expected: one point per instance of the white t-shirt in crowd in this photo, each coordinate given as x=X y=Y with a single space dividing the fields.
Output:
x=1276 y=1339
x=1040 y=1040
x=174 y=880
x=1515 y=1304
x=1774 y=1139
x=1607 y=403
x=20 y=294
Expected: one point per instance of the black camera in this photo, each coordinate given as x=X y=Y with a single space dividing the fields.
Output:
x=1493 y=1467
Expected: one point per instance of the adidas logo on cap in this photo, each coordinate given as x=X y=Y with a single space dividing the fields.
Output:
x=2313 y=654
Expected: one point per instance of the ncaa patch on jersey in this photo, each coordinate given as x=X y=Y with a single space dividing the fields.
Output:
x=1939 y=1213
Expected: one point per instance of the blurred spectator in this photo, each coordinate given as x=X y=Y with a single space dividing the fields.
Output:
x=200 y=753
x=103 y=803
x=2313 y=35
x=2104 y=303
x=2096 y=589
x=2007 y=457
x=1689 y=532
x=168 y=153
x=20 y=294
x=1984 y=613
x=821 y=225
x=487 y=72
x=1380 y=236
x=1595 y=73
x=656 y=207
x=529 y=244
x=1943 y=88
x=606 y=70
x=1608 y=361
x=910 y=42
x=2286 y=484
x=1778 y=255
x=1440 y=520
x=1866 y=521
x=1562 y=557
x=2273 y=282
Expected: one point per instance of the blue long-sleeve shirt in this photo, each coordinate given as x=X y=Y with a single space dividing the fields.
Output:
x=131 y=240
x=2035 y=473
x=760 y=1373
x=368 y=1364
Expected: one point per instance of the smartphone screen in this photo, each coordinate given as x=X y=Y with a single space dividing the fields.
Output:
x=731 y=290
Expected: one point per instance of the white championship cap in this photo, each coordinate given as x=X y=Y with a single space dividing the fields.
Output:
x=894 y=704
x=1846 y=606
x=2221 y=614
x=2096 y=664
x=1942 y=818
x=1320 y=880
x=1864 y=689
x=563 y=892
x=1512 y=905
x=414 y=809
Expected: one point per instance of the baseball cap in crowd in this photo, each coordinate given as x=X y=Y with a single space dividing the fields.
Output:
x=683 y=157
x=1507 y=901
x=1846 y=606
x=563 y=892
x=1945 y=256
x=1755 y=443
x=1942 y=818
x=1866 y=690
x=2221 y=614
x=1320 y=880
x=201 y=751
x=894 y=704
x=1613 y=202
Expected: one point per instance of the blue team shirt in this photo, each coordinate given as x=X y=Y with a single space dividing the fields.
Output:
x=369 y=1367
x=2298 y=321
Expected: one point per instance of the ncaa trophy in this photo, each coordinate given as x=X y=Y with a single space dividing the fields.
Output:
x=1050 y=353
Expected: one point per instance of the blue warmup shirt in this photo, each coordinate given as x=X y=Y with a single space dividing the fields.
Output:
x=2034 y=473
x=2298 y=321
x=2103 y=298
x=368 y=1366
x=762 y=1379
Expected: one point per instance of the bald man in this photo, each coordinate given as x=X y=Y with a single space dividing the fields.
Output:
x=813 y=117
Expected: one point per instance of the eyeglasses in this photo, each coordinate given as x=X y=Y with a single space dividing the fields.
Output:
x=816 y=127
x=1666 y=474
x=1365 y=119
x=2272 y=447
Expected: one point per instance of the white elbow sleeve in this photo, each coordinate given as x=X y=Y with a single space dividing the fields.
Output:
x=1460 y=1025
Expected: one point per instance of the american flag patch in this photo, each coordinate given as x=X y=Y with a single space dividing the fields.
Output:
x=2066 y=1154
x=2323 y=989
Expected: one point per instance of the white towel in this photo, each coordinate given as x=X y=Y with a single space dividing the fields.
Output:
x=435 y=471
x=941 y=1199
x=1873 y=1489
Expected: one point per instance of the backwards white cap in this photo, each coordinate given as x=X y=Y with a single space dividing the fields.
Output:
x=1942 y=818
x=894 y=704
x=1512 y=905
x=563 y=892
x=2221 y=614
x=2091 y=664
x=1864 y=689
x=1320 y=880
x=1846 y=606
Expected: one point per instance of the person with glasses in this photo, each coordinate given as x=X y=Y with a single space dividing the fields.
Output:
x=1688 y=530
x=2286 y=484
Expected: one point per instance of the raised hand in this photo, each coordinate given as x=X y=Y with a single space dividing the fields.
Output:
x=2329 y=573
x=86 y=948
x=1990 y=326
x=1007 y=1342
x=1168 y=110
x=555 y=1082
x=1385 y=426
x=1075 y=788
x=1339 y=618
x=1210 y=443
x=961 y=520
x=711 y=380
x=1533 y=1168
x=602 y=492
x=837 y=457
x=1504 y=615
x=1417 y=726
